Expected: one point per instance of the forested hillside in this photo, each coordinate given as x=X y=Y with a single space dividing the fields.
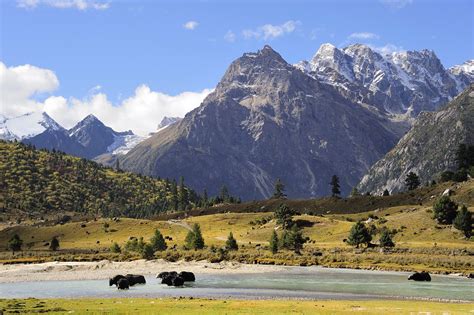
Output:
x=38 y=181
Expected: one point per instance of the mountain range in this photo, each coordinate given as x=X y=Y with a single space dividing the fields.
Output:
x=267 y=119
x=336 y=114
x=89 y=138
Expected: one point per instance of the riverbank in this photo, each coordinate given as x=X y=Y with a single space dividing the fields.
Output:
x=209 y=306
x=105 y=269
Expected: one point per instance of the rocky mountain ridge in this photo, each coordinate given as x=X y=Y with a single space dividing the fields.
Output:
x=428 y=149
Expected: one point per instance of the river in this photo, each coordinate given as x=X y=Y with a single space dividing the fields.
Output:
x=293 y=282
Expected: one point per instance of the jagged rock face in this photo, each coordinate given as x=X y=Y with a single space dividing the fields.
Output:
x=464 y=74
x=401 y=83
x=267 y=120
x=428 y=149
x=166 y=121
x=94 y=136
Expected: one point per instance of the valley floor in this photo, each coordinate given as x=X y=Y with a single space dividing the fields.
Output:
x=208 y=306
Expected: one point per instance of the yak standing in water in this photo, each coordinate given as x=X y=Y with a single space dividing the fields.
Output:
x=131 y=280
x=420 y=276
x=123 y=284
x=172 y=278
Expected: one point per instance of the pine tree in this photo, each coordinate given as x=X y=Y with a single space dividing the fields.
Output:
x=224 y=194
x=463 y=221
x=182 y=195
x=158 y=242
x=296 y=239
x=117 y=165
x=205 y=199
x=359 y=234
x=147 y=252
x=174 y=195
x=274 y=242
x=386 y=193
x=285 y=240
x=386 y=239
x=335 y=187
x=194 y=239
x=54 y=245
x=412 y=181
x=231 y=243
x=284 y=216
x=445 y=210
x=279 y=191
x=15 y=243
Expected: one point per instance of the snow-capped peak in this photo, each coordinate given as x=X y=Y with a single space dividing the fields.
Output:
x=391 y=82
x=466 y=68
x=27 y=126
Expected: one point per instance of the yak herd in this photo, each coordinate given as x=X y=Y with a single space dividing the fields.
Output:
x=170 y=278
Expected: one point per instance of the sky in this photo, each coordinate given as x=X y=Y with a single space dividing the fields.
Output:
x=132 y=62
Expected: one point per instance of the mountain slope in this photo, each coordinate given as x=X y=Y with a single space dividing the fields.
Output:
x=267 y=120
x=401 y=83
x=35 y=181
x=428 y=148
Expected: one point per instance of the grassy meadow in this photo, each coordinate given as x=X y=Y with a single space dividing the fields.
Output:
x=421 y=243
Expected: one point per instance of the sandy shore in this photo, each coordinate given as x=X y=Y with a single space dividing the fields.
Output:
x=106 y=269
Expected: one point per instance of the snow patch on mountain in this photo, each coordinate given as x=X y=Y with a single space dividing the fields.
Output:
x=124 y=143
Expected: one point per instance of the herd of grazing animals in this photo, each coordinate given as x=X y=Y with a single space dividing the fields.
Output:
x=170 y=278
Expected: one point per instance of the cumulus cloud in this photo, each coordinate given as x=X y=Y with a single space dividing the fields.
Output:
x=229 y=36
x=363 y=36
x=140 y=112
x=396 y=4
x=64 y=4
x=190 y=25
x=269 y=31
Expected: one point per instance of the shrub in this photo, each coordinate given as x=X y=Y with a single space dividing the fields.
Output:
x=386 y=239
x=115 y=248
x=445 y=210
x=15 y=243
x=463 y=221
x=54 y=244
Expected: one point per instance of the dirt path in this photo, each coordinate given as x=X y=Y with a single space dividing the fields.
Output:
x=181 y=224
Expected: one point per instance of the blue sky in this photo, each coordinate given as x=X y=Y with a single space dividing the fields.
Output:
x=135 y=42
x=119 y=45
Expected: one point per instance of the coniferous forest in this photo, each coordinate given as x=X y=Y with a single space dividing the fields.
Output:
x=39 y=181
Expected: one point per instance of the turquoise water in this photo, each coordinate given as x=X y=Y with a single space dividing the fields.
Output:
x=294 y=282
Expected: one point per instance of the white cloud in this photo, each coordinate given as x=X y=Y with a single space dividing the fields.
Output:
x=229 y=36
x=64 y=4
x=141 y=112
x=190 y=25
x=388 y=49
x=363 y=35
x=269 y=31
x=396 y=4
